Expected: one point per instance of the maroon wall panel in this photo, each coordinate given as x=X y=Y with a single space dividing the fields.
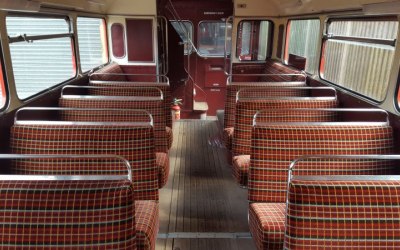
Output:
x=139 y=69
x=140 y=40
x=118 y=40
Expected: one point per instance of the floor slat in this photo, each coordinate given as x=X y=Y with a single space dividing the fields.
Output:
x=201 y=207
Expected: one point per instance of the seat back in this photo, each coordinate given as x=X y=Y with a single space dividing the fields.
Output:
x=274 y=146
x=246 y=109
x=133 y=141
x=152 y=104
x=65 y=212
x=331 y=212
x=275 y=90
x=114 y=89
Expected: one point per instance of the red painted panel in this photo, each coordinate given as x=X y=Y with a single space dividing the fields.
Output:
x=118 y=40
x=139 y=69
x=140 y=40
x=215 y=76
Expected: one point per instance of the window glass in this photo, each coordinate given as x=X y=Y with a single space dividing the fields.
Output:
x=364 y=29
x=253 y=40
x=352 y=60
x=33 y=26
x=303 y=38
x=3 y=95
x=39 y=64
x=92 y=42
x=211 y=38
x=185 y=30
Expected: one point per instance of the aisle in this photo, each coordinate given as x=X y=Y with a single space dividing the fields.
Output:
x=201 y=206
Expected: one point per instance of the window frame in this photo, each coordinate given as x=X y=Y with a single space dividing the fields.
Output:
x=192 y=33
x=70 y=35
x=326 y=37
x=198 y=39
x=106 y=43
x=269 y=40
x=119 y=24
x=285 y=53
x=3 y=83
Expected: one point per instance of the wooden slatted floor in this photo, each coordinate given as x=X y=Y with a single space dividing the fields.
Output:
x=201 y=207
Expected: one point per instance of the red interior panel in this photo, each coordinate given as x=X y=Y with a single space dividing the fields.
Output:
x=140 y=40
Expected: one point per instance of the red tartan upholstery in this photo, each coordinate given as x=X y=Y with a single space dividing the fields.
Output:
x=246 y=110
x=227 y=135
x=233 y=88
x=275 y=146
x=67 y=214
x=135 y=143
x=112 y=68
x=154 y=107
x=164 y=87
x=147 y=224
x=333 y=214
x=241 y=164
x=170 y=136
x=162 y=161
x=139 y=90
x=126 y=115
x=267 y=224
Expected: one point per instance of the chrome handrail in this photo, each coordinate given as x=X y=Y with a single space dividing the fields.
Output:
x=287 y=97
x=67 y=177
x=344 y=110
x=88 y=96
x=46 y=122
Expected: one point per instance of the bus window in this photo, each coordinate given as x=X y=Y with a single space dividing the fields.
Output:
x=3 y=94
x=41 y=53
x=253 y=40
x=92 y=42
x=358 y=55
x=118 y=40
x=185 y=30
x=211 y=35
x=302 y=43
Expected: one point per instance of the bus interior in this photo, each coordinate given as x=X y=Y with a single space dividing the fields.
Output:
x=185 y=124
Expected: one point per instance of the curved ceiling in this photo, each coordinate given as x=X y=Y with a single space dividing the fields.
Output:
x=252 y=7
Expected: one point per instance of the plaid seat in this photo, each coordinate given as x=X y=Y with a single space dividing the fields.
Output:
x=275 y=146
x=147 y=224
x=67 y=214
x=246 y=110
x=227 y=135
x=233 y=88
x=154 y=107
x=135 y=143
x=164 y=87
x=269 y=221
x=241 y=165
x=162 y=161
x=170 y=136
x=107 y=115
x=338 y=214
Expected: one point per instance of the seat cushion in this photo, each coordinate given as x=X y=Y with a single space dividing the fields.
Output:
x=267 y=224
x=241 y=165
x=147 y=224
x=162 y=161
x=227 y=136
x=170 y=136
